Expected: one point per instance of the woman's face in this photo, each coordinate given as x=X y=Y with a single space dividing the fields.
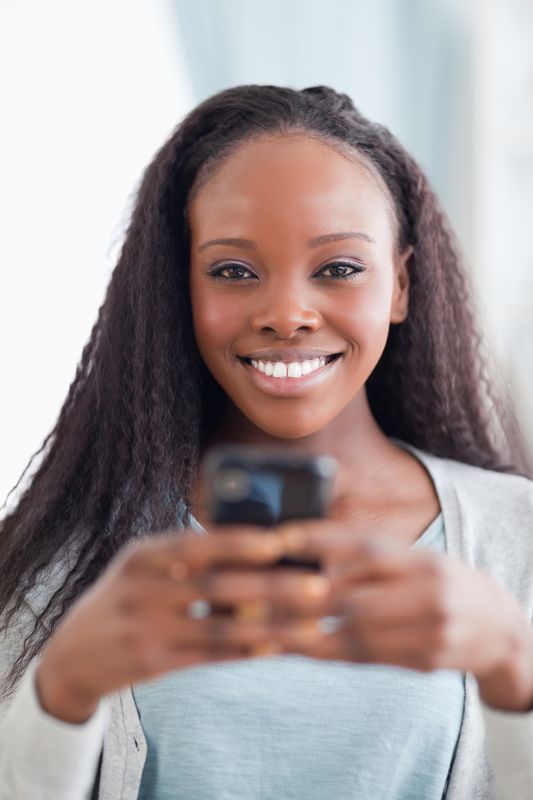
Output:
x=294 y=281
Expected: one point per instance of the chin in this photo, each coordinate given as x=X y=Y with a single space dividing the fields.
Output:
x=283 y=427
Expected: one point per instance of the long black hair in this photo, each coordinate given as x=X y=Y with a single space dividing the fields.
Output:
x=124 y=452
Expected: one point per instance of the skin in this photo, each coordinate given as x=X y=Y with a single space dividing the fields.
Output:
x=399 y=605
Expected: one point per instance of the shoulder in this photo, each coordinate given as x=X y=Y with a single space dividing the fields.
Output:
x=24 y=616
x=487 y=491
x=488 y=518
x=14 y=632
x=477 y=489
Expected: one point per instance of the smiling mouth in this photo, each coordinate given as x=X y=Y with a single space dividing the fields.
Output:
x=293 y=369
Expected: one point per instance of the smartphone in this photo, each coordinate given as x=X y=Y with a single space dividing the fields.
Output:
x=265 y=486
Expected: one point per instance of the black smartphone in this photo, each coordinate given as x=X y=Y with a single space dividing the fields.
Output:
x=266 y=486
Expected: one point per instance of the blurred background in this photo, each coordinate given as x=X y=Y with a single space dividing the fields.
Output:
x=91 y=90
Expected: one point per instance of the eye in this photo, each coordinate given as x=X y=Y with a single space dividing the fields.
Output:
x=337 y=270
x=231 y=272
x=341 y=270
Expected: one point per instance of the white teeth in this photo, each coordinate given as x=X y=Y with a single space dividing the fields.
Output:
x=279 y=369
x=294 y=370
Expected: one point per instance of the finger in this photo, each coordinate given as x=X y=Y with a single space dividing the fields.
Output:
x=280 y=590
x=347 y=559
x=285 y=590
x=412 y=648
x=328 y=539
x=179 y=644
x=395 y=603
x=186 y=551
x=154 y=651
x=378 y=562
x=259 y=637
x=215 y=630
x=253 y=611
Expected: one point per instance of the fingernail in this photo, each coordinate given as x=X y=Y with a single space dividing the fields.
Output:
x=308 y=632
x=293 y=538
x=253 y=611
x=316 y=585
x=267 y=547
x=267 y=649
x=271 y=546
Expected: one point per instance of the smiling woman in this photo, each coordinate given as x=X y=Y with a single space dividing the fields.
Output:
x=287 y=278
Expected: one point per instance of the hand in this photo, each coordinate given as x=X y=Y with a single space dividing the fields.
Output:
x=418 y=609
x=132 y=624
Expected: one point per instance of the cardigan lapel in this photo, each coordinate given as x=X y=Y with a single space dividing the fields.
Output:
x=124 y=750
x=471 y=776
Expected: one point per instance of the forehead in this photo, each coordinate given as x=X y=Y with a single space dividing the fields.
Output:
x=286 y=183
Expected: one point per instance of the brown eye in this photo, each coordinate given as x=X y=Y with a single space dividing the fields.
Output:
x=339 y=269
x=231 y=272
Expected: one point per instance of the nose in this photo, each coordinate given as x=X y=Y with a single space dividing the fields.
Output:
x=284 y=315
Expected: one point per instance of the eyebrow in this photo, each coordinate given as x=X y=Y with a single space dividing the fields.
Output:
x=248 y=244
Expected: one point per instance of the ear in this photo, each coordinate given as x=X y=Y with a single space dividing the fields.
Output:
x=400 y=295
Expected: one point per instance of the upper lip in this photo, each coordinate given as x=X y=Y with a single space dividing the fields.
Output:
x=290 y=354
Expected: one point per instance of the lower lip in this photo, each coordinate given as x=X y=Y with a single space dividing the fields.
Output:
x=288 y=387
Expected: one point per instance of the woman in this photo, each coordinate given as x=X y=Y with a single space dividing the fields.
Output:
x=287 y=277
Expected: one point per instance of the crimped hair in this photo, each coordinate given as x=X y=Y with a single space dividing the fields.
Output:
x=122 y=458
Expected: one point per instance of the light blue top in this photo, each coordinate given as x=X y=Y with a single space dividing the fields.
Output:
x=290 y=726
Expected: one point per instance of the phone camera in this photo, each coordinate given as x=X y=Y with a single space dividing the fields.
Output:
x=232 y=485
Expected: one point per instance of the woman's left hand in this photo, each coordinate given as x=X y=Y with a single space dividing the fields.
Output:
x=418 y=609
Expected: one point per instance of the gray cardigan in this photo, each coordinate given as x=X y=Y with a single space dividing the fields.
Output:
x=488 y=518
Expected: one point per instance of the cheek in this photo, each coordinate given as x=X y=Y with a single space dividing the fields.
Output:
x=364 y=317
x=216 y=322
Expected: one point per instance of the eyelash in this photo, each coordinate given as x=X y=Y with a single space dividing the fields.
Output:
x=216 y=272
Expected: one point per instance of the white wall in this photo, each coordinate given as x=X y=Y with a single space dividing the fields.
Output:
x=502 y=116
x=89 y=93
x=90 y=90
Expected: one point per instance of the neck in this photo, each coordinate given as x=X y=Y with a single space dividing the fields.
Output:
x=353 y=438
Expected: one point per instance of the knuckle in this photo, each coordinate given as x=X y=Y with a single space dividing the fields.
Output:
x=129 y=600
x=206 y=585
x=352 y=619
x=133 y=640
x=440 y=612
x=132 y=557
x=139 y=645
x=434 y=567
x=187 y=544
x=145 y=661
x=357 y=647
x=217 y=628
x=132 y=637
x=371 y=550
x=214 y=647
x=441 y=638
x=360 y=640
x=428 y=662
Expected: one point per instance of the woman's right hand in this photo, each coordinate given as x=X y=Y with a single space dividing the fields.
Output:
x=132 y=624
